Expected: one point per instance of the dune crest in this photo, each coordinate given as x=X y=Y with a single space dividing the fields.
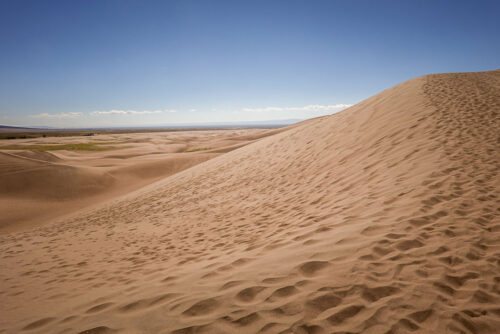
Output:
x=383 y=218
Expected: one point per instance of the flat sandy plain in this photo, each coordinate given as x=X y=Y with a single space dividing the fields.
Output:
x=383 y=218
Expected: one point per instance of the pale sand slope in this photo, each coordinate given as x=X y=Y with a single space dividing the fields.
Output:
x=383 y=218
x=36 y=186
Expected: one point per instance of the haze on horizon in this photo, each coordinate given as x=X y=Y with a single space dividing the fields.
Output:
x=133 y=63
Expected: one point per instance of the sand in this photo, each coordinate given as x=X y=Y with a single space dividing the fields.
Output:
x=383 y=218
x=38 y=187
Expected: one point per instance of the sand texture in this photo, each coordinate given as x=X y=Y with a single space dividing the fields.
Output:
x=40 y=186
x=383 y=218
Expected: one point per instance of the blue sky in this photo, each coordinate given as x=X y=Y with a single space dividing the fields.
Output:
x=102 y=63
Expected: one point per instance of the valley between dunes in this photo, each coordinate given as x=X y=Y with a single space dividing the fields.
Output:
x=383 y=218
x=43 y=179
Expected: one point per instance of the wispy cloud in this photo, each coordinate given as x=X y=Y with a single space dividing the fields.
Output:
x=319 y=107
x=131 y=112
x=192 y=110
x=264 y=109
x=311 y=107
x=60 y=115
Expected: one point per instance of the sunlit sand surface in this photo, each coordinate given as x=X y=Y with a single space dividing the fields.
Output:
x=44 y=178
x=383 y=218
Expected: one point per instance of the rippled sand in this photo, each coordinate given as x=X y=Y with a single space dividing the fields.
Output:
x=383 y=218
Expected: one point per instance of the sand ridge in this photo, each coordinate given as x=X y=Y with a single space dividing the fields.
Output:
x=40 y=186
x=383 y=218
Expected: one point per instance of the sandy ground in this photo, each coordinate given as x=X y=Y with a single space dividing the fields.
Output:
x=40 y=186
x=383 y=218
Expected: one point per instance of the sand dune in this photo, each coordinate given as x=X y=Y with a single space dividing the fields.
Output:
x=40 y=186
x=383 y=218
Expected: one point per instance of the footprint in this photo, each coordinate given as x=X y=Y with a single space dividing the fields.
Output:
x=99 y=330
x=421 y=316
x=344 y=314
x=142 y=304
x=288 y=310
x=99 y=308
x=374 y=294
x=248 y=294
x=408 y=244
x=202 y=307
x=231 y=284
x=324 y=302
x=38 y=324
x=283 y=292
x=311 y=268
x=247 y=320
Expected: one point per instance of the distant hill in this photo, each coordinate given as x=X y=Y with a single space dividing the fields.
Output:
x=17 y=128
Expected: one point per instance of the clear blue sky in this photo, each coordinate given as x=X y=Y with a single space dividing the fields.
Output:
x=99 y=63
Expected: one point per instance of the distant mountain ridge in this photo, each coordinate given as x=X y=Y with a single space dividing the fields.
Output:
x=6 y=127
x=281 y=122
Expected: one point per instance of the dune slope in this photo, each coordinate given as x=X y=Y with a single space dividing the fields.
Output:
x=383 y=218
x=38 y=187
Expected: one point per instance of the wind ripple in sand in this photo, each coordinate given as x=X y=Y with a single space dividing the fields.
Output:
x=383 y=218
